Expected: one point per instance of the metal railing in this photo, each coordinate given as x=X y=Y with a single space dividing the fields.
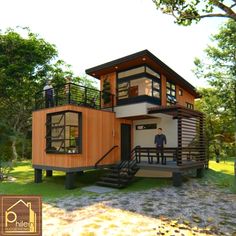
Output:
x=105 y=155
x=74 y=94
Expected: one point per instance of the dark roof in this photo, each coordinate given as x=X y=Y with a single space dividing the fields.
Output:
x=135 y=60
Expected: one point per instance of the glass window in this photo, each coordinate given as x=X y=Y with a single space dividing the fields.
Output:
x=189 y=105
x=134 y=71
x=170 y=93
x=143 y=85
x=180 y=92
x=156 y=94
x=152 y=72
x=156 y=85
x=139 y=87
x=64 y=132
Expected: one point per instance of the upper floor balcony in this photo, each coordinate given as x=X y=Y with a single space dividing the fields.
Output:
x=74 y=94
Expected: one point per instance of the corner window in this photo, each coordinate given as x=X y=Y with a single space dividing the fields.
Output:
x=170 y=93
x=64 y=132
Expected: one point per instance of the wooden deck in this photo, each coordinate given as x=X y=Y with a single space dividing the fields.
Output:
x=171 y=166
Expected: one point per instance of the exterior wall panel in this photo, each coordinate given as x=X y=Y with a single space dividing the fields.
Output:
x=100 y=132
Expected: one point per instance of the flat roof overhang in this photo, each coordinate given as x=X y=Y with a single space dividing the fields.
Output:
x=144 y=57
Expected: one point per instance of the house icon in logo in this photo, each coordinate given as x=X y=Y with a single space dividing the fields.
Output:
x=20 y=218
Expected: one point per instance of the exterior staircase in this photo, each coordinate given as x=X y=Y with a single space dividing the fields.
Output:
x=120 y=175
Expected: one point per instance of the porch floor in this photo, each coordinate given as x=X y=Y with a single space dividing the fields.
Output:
x=171 y=165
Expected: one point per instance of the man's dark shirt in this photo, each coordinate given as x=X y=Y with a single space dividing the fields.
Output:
x=160 y=140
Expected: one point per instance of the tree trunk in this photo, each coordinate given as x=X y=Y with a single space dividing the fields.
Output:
x=15 y=154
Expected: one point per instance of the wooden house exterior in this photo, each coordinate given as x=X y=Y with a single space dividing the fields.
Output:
x=83 y=130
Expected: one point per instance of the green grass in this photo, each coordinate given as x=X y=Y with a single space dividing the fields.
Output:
x=222 y=174
x=53 y=187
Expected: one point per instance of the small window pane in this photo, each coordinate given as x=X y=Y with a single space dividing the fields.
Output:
x=123 y=85
x=168 y=91
x=156 y=85
x=152 y=72
x=156 y=94
x=172 y=86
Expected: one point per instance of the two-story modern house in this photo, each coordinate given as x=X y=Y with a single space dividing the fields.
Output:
x=115 y=127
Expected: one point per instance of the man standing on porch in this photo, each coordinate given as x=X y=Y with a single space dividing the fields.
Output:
x=160 y=141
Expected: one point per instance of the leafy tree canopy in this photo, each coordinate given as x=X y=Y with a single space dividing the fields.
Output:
x=219 y=69
x=186 y=12
x=26 y=62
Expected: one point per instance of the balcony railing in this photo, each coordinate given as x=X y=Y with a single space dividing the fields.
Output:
x=76 y=95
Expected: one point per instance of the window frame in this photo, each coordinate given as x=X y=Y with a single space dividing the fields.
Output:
x=172 y=101
x=50 y=139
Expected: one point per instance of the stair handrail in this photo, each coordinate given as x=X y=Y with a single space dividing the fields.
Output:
x=105 y=155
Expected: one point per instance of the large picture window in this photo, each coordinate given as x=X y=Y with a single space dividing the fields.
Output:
x=64 y=132
x=170 y=93
x=139 y=82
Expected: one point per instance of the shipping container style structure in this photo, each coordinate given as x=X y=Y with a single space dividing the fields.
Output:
x=78 y=128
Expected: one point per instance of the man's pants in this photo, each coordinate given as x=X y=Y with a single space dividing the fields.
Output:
x=49 y=101
x=160 y=151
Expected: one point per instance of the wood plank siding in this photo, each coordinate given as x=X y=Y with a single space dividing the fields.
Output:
x=100 y=132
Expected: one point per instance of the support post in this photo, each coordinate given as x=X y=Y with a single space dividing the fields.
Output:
x=200 y=173
x=70 y=180
x=177 y=179
x=48 y=173
x=38 y=176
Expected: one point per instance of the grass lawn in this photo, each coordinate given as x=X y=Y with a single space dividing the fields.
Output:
x=221 y=174
x=53 y=187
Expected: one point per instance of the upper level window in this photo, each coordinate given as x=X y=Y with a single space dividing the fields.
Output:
x=152 y=72
x=137 y=82
x=189 y=105
x=180 y=92
x=64 y=132
x=138 y=70
x=130 y=72
x=170 y=93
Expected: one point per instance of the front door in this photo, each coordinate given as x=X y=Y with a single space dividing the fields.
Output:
x=125 y=141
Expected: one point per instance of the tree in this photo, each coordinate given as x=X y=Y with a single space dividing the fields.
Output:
x=218 y=102
x=187 y=12
x=25 y=65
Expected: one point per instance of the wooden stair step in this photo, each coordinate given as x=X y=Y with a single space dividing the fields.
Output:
x=109 y=179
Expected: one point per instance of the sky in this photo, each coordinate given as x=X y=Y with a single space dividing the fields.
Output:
x=88 y=33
